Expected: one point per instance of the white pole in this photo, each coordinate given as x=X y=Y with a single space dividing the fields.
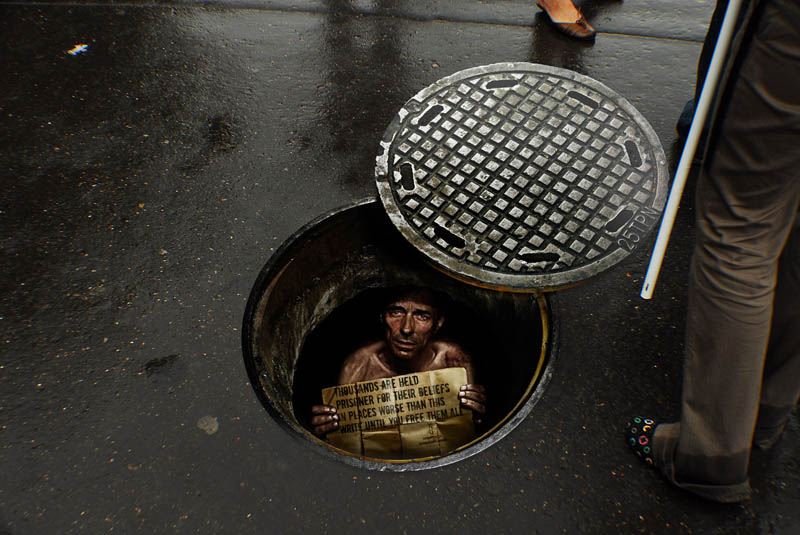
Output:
x=689 y=149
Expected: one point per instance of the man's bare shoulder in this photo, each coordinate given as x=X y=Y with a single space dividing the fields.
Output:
x=453 y=353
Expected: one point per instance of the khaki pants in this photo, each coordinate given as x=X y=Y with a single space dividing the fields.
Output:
x=743 y=325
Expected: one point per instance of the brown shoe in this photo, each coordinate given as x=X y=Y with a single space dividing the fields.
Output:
x=580 y=29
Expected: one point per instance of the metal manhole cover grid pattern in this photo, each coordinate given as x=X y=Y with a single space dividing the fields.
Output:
x=528 y=175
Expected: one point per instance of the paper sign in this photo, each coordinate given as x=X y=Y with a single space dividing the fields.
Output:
x=402 y=417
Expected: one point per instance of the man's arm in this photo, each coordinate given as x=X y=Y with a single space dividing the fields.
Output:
x=456 y=357
x=471 y=395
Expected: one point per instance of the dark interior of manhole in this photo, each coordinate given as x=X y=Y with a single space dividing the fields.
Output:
x=319 y=297
x=479 y=331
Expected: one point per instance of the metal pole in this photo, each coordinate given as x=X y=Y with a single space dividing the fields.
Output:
x=689 y=149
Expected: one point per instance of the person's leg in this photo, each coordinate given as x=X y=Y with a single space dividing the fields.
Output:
x=781 y=387
x=704 y=62
x=710 y=42
x=747 y=199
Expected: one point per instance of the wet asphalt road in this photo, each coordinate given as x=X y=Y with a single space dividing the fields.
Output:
x=147 y=181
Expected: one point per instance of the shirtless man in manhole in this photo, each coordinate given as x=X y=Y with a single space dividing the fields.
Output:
x=411 y=321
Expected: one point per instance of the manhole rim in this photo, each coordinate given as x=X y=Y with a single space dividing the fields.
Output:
x=548 y=306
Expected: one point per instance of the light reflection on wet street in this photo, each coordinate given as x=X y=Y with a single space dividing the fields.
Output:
x=149 y=177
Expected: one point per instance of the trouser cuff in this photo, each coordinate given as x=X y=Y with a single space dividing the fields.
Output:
x=665 y=444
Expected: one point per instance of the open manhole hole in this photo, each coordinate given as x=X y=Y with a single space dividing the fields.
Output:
x=320 y=296
x=519 y=176
x=514 y=177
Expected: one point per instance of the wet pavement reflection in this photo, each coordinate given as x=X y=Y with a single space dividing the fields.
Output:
x=150 y=177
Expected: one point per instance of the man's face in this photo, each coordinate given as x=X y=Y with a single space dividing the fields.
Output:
x=410 y=324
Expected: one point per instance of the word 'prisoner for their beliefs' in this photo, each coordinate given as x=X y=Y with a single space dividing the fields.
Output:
x=403 y=417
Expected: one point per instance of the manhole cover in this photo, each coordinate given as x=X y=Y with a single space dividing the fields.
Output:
x=521 y=176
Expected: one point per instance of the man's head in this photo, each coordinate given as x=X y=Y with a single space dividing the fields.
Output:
x=412 y=318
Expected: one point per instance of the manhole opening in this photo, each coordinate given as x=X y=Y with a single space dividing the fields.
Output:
x=319 y=297
x=481 y=332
